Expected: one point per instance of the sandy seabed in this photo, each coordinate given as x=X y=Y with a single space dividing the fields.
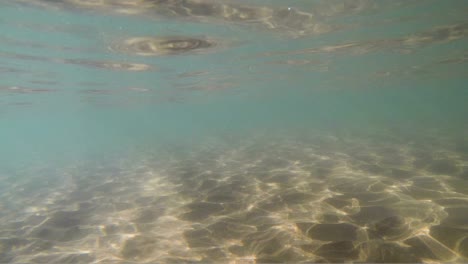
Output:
x=324 y=199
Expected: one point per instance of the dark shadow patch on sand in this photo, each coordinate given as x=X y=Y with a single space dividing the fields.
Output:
x=65 y=258
x=444 y=166
x=138 y=248
x=370 y=214
x=201 y=210
x=333 y=232
x=338 y=251
x=389 y=252
x=200 y=238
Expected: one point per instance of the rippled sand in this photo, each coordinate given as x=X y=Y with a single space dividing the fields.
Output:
x=325 y=199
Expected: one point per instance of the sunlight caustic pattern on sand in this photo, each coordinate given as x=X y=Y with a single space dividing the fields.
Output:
x=328 y=200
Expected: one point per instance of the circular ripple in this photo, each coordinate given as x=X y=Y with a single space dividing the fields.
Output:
x=151 y=46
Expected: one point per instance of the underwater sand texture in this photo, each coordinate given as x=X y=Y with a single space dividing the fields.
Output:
x=326 y=199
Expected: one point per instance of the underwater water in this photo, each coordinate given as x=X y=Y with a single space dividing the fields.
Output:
x=212 y=131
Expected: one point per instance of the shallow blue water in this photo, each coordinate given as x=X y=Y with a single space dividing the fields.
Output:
x=74 y=97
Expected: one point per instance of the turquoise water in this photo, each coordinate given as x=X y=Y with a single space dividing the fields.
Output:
x=233 y=131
